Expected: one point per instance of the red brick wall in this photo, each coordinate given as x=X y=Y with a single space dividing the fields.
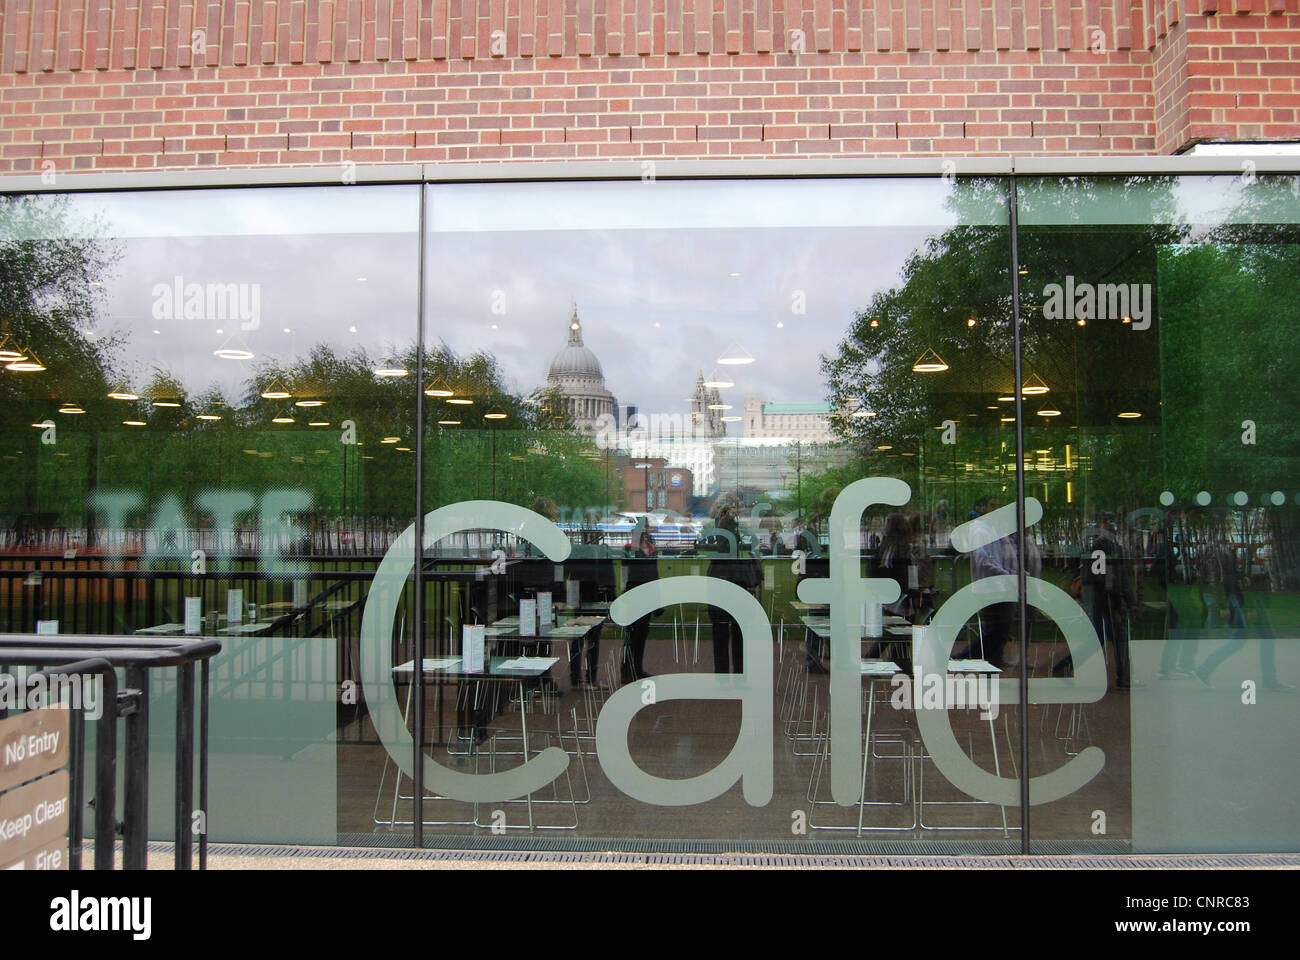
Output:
x=113 y=84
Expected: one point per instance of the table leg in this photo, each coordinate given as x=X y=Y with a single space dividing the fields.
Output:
x=523 y=720
x=866 y=753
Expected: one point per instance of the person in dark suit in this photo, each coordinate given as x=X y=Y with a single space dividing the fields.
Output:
x=728 y=648
x=642 y=567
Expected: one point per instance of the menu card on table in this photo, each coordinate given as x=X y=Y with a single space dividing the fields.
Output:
x=527 y=618
x=473 y=641
x=234 y=607
x=193 y=615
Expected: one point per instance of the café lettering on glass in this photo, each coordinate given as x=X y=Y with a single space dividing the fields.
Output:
x=750 y=761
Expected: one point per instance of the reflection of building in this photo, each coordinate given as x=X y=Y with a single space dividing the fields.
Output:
x=809 y=422
x=757 y=466
x=706 y=410
x=695 y=456
x=651 y=484
x=576 y=372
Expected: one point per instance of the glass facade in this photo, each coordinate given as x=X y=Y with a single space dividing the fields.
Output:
x=719 y=511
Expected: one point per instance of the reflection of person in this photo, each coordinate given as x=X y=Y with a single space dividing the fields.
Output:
x=894 y=560
x=642 y=567
x=1234 y=592
x=997 y=558
x=1107 y=597
x=728 y=648
x=812 y=643
x=1179 y=654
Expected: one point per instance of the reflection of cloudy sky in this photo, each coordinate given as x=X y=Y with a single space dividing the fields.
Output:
x=308 y=284
x=305 y=247
x=631 y=254
x=625 y=282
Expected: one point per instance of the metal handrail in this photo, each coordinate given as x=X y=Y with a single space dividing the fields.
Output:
x=102 y=656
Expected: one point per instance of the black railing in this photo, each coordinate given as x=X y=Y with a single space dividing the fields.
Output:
x=102 y=656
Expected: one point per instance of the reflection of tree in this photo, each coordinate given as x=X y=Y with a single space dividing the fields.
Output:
x=51 y=283
x=955 y=300
x=1216 y=355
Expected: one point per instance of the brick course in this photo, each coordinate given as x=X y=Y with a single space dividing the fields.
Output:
x=128 y=84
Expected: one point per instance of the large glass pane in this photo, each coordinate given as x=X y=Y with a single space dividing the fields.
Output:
x=661 y=398
x=196 y=447
x=1159 y=313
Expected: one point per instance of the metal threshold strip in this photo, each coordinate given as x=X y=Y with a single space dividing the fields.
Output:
x=926 y=861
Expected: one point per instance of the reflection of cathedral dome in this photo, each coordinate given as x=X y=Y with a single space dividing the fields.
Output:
x=576 y=372
x=575 y=360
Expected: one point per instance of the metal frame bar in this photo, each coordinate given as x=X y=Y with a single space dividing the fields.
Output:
x=759 y=169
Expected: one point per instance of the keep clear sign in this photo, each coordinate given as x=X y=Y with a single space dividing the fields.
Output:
x=34 y=816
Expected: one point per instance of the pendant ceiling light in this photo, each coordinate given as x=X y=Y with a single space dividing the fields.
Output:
x=390 y=368
x=122 y=392
x=234 y=349
x=735 y=355
x=276 y=391
x=929 y=362
x=439 y=388
x=28 y=363
x=717 y=381
x=1034 y=386
x=8 y=349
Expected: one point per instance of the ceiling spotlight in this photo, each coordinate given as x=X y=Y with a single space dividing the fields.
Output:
x=133 y=423
x=71 y=408
x=309 y=403
x=460 y=401
x=1129 y=415
x=494 y=414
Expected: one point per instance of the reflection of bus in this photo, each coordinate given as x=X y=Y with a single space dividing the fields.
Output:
x=617 y=530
